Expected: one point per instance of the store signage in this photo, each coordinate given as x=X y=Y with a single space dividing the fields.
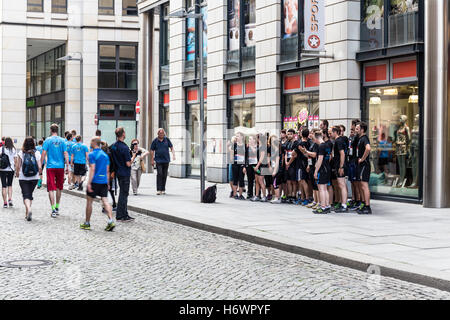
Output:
x=316 y=122
x=404 y=69
x=166 y=98
x=31 y=103
x=315 y=25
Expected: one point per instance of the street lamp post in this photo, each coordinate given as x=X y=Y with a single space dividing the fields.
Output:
x=70 y=58
x=182 y=14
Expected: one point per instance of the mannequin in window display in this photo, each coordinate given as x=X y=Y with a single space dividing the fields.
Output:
x=402 y=142
x=415 y=151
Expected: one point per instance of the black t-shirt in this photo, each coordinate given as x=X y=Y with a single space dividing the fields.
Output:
x=362 y=142
x=314 y=147
x=354 y=146
x=325 y=151
x=290 y=147
x=339 y=145
x=302 y=160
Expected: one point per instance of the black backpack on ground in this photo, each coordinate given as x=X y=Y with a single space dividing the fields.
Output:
x=4 y=160
x=210 y=194
x=30 y=167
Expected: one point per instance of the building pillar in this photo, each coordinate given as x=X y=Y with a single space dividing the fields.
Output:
x=177 y=121
x=340 y=76
x=216 y=131
x=267 y=101
x=436 y=187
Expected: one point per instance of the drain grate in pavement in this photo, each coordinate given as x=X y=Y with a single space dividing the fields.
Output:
x=29 y=263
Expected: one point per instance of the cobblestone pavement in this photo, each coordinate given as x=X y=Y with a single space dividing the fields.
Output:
x=153 y=259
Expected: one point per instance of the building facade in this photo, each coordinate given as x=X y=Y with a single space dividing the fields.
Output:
x=259 y=76
x=37 y=89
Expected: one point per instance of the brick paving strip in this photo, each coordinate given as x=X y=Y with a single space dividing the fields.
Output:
x=403 y=241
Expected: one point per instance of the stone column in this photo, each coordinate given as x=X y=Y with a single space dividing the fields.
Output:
x=177 y=122
x=268 y=15
x=340 y=77
x=216 y=133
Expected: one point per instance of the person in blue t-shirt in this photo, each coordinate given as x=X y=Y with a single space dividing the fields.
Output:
x=160 y=155
x=79 y=155
x=55 y=150
x=40 y=149
x=69 y=145
x=98 y=183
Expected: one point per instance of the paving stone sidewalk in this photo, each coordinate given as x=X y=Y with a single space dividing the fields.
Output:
x=399 y=236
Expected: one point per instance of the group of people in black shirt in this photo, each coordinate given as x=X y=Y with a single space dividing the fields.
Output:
x=311 y=170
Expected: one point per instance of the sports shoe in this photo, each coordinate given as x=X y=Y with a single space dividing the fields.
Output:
x=53 y=215
x=355 y=206
x=57 y=211
x=316 y=206
x=231 y=194
x=110 y=226
x=236 y=197
x=250 y=197
x=276 y=201
x=337 y=206
x=241 y=198
x=10 y=203
x=28 y=218
x=71 y=187
x=305 y=202
x=350 y=203
x=263 y=199
x=364 y=210
x=320 y=210
x=158 y=193
x=269 y=197
x=341 y=210
x=5 y=205
x=85 y=226
x=311 y=204
x=255 y=199
x=298 y=202
x=163 y=192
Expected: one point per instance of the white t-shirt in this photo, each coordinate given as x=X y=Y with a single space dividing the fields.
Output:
x=37 y=154
x=11 y=155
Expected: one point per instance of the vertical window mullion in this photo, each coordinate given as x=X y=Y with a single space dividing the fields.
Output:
x=300 y=27
x=117 y=65
x=387 y=11
x=241 y=31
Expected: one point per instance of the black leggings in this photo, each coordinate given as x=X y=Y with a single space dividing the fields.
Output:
x=7 y=178
x=251 y=180
x=238 y=175
x=27 y=187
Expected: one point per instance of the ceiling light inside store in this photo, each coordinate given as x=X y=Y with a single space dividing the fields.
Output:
x=414 y=98
x=390 y=92
x=375 y=100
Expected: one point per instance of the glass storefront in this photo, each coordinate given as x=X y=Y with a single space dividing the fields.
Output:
x=243 y=113
x=112 y=116
x=298 y=108
x=40 y=119
x=394 y=131
x=193 y=167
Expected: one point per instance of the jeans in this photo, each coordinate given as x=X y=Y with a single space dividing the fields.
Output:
x=122 y=204
x=135 y=179
x=161 y=177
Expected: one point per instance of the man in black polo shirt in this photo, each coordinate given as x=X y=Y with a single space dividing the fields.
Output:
x=122 y=158
x=160 y=155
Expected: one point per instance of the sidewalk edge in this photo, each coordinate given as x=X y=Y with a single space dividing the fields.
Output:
x=421 y=279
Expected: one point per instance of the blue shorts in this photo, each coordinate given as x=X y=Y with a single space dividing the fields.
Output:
x=352 y=176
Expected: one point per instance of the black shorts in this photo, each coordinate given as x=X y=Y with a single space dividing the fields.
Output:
x=278 y=180
x=311 y=177
x=79 y=169
x=27 y=187
x=333 y=174
x=292 y=174
x=363 y=171
x=352 y=174
x=345 y=173
x=7 y=178
x=324 y=176
x=100 y=190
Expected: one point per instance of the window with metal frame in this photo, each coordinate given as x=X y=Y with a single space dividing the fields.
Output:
x=164 y=43
x=129 y=8
x=106 y=7
x=59 y=6
x=35 y=5
x=117 y=66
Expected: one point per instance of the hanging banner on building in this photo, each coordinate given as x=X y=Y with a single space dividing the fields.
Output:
x=315 y=25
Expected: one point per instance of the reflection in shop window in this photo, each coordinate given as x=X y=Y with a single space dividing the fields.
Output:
x=35 y=5
x=372 y=24
x=106 y=7
x=394 y=133
x=243 y=113
x=403 y=22
x=129 y=8
x=59 y=6
x=300 y=106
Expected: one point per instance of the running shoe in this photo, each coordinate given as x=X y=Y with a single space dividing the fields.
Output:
x=305 y=202
x=255 y=199
x=158 y=193
x=29 y=216
x=236 y=197
x=241 y=198
x=263 y=199
x=335 y=207
x=249 y=197
x=5 y=205
x=163 y=192
x=57 y=211
x=364 y=210
x=298 y=202
x=321 y=210
x=53 y=215
x=110 y=226
x=341 y=210
x=85 y=226
x=311 y=204
x=276 y=201
x=231 y=194
x=356 y=206
x=316 y=206
x=269 y=197
x=350 y=203
x=10 y=203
